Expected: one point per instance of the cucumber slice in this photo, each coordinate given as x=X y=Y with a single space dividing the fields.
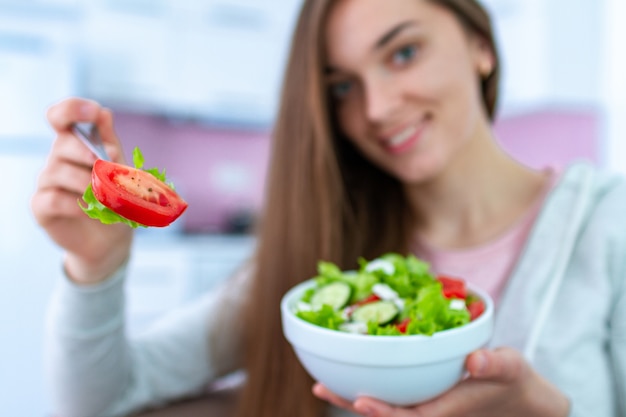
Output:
x=381 y=312
x=335 y=295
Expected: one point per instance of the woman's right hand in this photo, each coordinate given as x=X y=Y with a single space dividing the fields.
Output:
x=93 y=250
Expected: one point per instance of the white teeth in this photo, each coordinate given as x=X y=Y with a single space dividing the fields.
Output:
x=403 y=136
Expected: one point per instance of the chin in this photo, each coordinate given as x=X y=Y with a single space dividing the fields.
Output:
x=416 y=174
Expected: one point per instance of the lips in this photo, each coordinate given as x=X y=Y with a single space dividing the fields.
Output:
x=404 y=139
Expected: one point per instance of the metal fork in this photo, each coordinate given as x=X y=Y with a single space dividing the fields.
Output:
x=89 y=135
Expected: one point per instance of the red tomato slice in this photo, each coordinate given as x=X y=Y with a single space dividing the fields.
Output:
x=370 y=299
x=476 y=308
x=135 y=194
x=403 y=325
x=453 y=287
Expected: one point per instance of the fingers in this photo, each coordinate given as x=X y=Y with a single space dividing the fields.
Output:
x=370 y=407
x=68 y=149
x=499 y=365
x=63 y=114
x=68 y=169
x=323 y=393
x=364 y=406
x=62 y=181
x=66 y=176
x=491 y=371
x=58 y=191
x=50 y=204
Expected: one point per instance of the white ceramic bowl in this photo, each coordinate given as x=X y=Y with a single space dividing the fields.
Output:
x=400 y=370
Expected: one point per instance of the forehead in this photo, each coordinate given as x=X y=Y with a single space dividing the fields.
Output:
x=355 y=26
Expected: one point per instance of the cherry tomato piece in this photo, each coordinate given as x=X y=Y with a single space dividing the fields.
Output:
x=135 y=194
x=476 y=308
x=453 y=287
x=403 y=325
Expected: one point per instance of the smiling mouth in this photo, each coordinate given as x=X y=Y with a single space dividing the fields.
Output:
x=402 y=137
x=405 y=139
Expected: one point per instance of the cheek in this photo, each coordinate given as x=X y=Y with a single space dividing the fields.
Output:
x=465 y=112
x=460 y=102
x=450 y=80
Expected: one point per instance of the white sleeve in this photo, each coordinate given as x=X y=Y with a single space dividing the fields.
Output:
x=93 y=369
x=617 y=343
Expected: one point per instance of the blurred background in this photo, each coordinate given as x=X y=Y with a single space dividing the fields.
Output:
x=195 y=85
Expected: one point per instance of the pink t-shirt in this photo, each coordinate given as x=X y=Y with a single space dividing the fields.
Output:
x=487 y=266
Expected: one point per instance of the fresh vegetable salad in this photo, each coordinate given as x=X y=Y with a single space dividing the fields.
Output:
x=390 y=295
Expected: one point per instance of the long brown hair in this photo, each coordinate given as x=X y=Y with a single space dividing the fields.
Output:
x=323 y=201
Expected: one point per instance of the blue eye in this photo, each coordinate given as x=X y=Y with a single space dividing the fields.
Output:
x=404 y=55
x=340 y=89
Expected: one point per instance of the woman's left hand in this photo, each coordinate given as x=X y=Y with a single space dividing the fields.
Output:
x=500 y=383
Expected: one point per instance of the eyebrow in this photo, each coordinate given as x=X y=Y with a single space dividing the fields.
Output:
x=388 y=37
x=384 y=40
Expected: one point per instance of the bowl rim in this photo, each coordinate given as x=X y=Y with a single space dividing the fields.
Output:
x=292 y=296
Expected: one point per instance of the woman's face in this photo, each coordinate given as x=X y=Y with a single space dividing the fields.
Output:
x=404 y=76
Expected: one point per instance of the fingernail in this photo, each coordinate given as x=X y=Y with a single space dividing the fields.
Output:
x=481 y=363
x=88 y=110
x=317 y=391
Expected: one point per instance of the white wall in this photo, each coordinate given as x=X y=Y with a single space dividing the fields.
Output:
x=575 y=41
x=521 y=28
x=613 y=89
x=37 y=68
x=551 y=52
x=219 y=60
x=28 y=261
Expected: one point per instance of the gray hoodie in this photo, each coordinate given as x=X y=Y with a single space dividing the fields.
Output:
x=565 y=303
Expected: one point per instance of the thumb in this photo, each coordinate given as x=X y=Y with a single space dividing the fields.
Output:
x=499 y=365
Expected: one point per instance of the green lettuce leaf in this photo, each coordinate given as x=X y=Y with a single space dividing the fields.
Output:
x=361 y=282
x=328 y=272
x=387 y=330
x=138 y=159
x=325 y=317
x=430 y=312
x=96 y=210
x=410 y=274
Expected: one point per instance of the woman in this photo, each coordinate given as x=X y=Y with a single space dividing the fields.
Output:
x=382 y=143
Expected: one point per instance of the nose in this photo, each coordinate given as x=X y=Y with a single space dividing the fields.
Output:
x=381 y=98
